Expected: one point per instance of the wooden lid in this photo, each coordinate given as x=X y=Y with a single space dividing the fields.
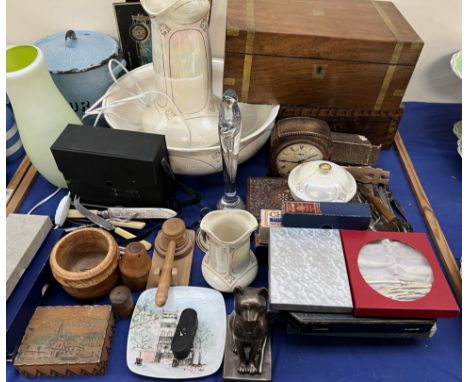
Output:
x=355 y=30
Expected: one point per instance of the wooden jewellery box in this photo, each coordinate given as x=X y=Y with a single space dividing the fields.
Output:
x=344 y=61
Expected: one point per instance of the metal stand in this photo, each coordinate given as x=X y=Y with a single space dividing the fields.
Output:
x=231 y=360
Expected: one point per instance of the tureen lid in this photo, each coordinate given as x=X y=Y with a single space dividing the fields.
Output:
x=321 y=181
x=70 y=52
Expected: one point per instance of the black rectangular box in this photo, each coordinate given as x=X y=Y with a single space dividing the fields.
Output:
x=326 y=215
x=346 y=325
x=114 y=167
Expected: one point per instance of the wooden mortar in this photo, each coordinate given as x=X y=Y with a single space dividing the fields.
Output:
x=85 y=263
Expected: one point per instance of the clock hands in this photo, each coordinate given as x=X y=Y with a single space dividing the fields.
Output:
x=299 y=161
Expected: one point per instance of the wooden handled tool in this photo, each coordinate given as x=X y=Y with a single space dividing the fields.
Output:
x=75 y=214
x=174 y=230
x=127 y=235
x=400 y=225
x=382 y=208
x=448 y=260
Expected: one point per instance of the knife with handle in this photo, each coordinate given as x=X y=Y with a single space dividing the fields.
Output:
x=103 y=223
x=75 y=214
x=124 y=213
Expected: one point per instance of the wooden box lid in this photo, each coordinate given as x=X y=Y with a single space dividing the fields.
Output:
x=65 y=341
x=351 y=30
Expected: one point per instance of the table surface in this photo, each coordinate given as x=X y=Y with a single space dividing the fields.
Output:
x=427 y=133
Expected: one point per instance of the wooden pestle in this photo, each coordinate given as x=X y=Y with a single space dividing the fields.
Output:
x=174 y=230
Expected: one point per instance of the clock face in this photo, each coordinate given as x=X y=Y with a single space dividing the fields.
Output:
x=294 y=155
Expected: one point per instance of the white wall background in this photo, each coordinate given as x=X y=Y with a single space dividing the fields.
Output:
x=438 y=22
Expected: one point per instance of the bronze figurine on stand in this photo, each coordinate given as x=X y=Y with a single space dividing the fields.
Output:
x=247 y=355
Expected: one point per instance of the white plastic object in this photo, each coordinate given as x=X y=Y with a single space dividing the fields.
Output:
x=61 y=212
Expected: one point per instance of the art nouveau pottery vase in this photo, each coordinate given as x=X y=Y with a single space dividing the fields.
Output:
x=229 y=261
x=40 y=110
x=182 y=70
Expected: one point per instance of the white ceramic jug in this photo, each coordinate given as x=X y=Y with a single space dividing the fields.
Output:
x=229 y=261
x=182 y=68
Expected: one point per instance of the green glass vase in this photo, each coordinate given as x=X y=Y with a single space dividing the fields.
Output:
x=40 y=110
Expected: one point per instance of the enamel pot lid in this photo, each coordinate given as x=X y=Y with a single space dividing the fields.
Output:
x=321 y=181
x=80 y=51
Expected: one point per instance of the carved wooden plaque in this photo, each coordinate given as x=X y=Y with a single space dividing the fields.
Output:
x=66 y=341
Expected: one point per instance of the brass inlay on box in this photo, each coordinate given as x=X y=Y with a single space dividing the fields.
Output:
x=249 y=45
x=232 y=32
x=229 y=82
x=416 y=46
x=389 y=75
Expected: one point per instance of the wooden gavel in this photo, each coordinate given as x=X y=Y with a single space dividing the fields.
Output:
x=175 y=232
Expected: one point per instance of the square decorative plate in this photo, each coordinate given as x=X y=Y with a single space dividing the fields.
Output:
x=152 y=328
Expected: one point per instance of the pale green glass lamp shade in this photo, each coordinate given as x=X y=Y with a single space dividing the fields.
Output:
x=40 y=110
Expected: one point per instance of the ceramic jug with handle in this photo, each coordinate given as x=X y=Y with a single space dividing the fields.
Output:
x=182 y=71
x=229 y=261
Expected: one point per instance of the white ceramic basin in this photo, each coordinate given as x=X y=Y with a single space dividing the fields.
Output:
x=257 y=123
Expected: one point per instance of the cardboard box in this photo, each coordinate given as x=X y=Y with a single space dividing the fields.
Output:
x=326 y=215
x=396 y=274
x=307 y=271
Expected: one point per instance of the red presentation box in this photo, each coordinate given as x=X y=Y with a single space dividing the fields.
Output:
x=439 y=301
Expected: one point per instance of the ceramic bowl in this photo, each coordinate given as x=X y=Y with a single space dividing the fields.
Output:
x=456 y=64
x=457 y=129
x=257 y=123
x=321 y=181
x=85 y=262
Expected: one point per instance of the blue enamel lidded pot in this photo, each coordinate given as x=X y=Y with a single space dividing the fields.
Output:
x=14 y=147
x=78 y=64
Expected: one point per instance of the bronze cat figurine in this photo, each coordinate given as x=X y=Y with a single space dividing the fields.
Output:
x=250 y=328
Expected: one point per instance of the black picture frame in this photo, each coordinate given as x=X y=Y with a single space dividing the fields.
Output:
x=134 y=29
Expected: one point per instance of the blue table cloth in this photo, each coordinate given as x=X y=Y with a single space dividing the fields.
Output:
x=427 y=133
